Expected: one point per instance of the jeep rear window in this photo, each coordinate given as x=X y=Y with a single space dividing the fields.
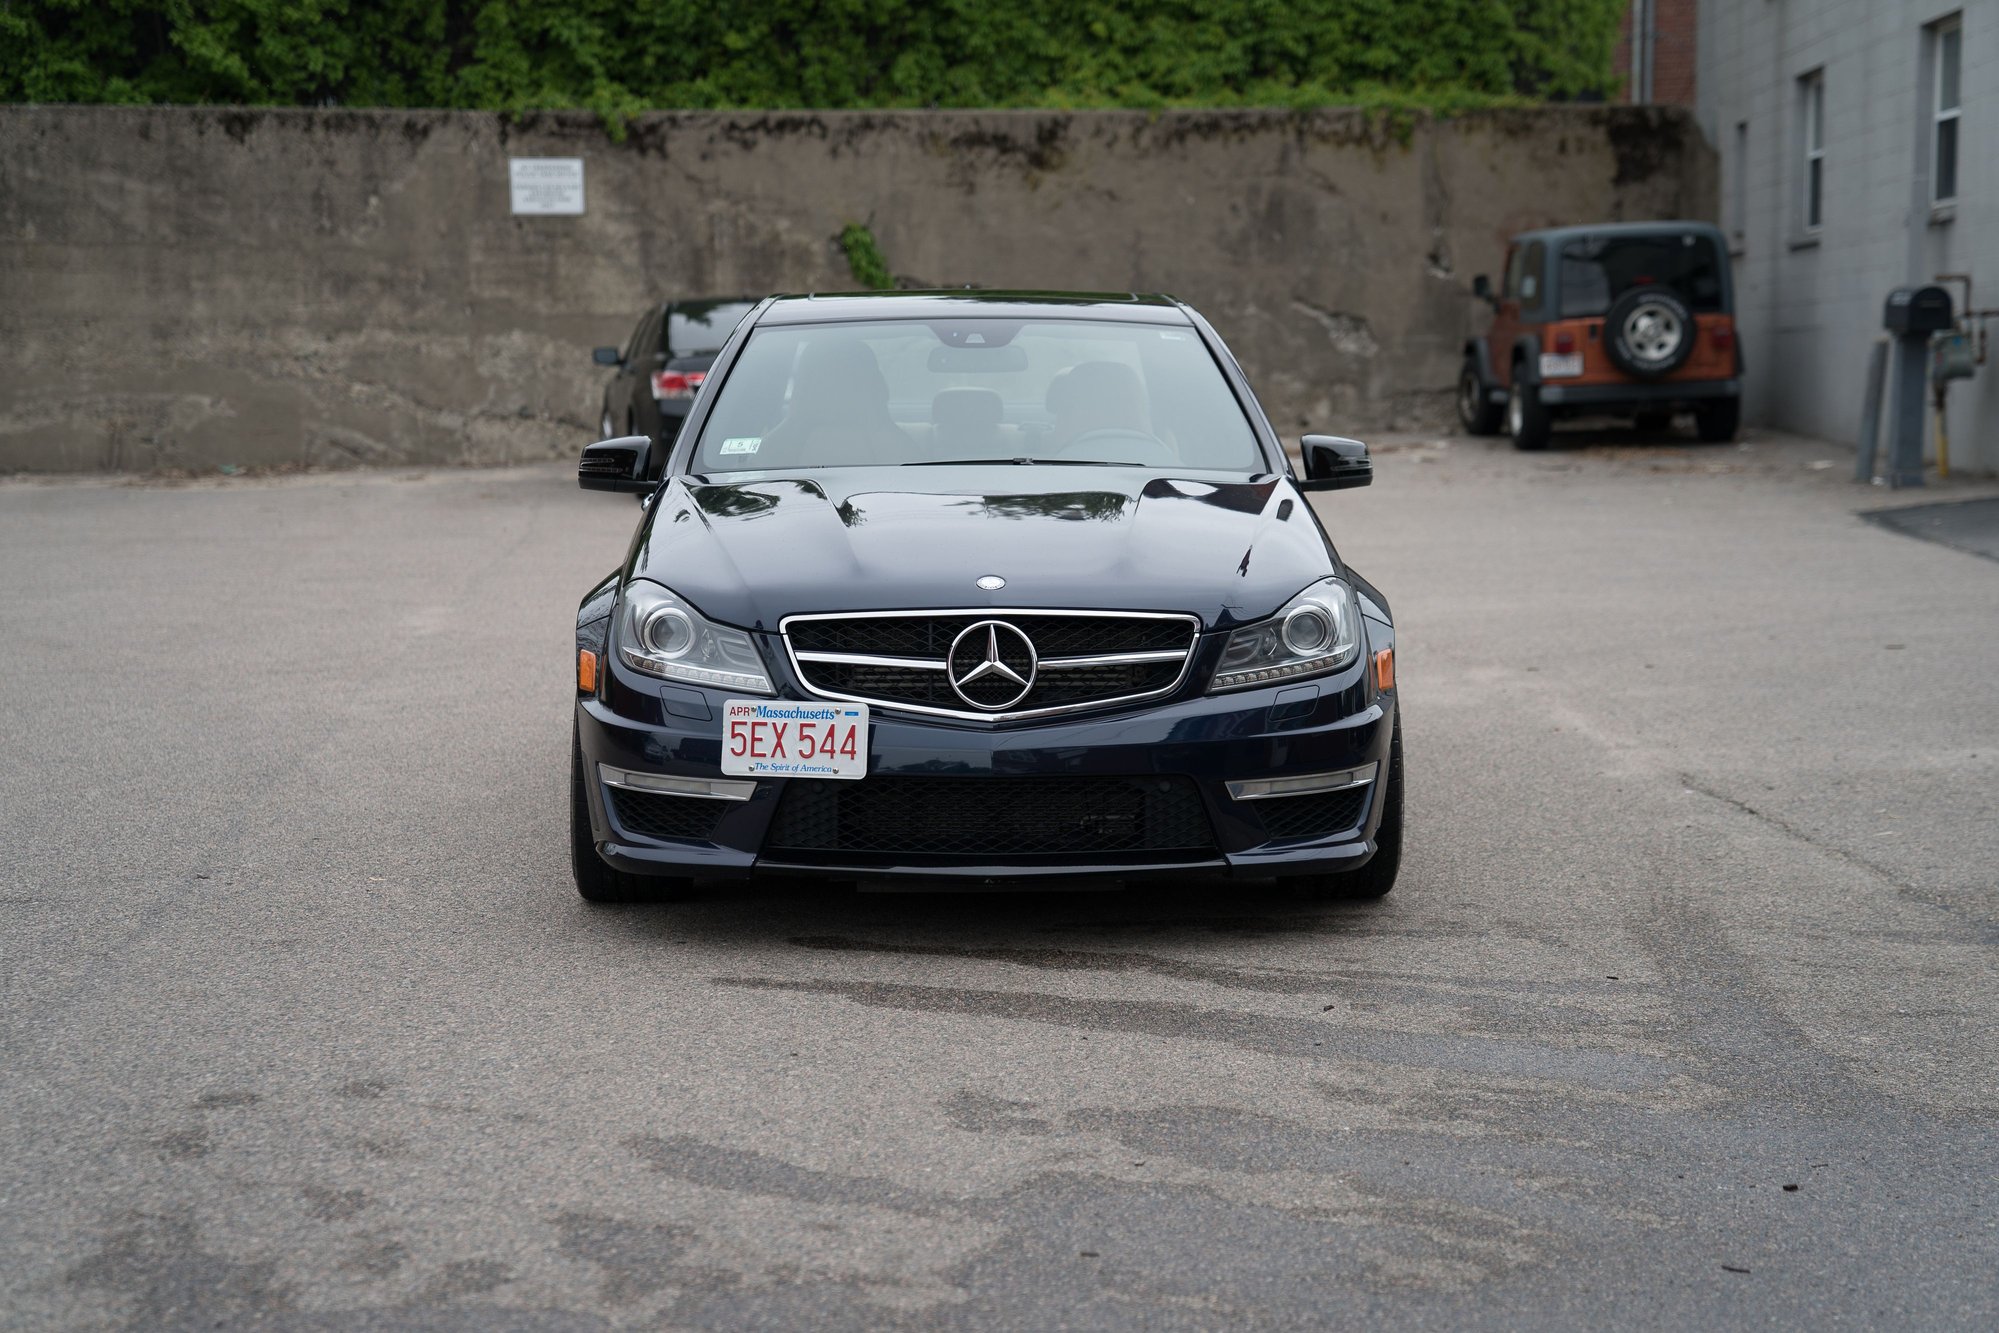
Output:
x=1596 y=270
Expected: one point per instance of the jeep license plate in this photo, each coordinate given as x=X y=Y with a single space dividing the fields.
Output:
x=1556 y=365
x=763 y=738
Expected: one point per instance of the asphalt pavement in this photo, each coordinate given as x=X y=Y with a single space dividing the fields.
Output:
x=1682 y=1016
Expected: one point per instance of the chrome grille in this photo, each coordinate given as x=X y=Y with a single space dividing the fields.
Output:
x=1085 y=659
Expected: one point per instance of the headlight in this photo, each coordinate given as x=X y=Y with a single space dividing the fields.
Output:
x=663 y=636
x=1316 y=632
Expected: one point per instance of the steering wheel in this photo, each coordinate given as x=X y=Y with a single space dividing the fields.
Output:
x=1117 y=444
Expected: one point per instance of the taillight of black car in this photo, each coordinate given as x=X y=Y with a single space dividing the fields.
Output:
x=676 y=383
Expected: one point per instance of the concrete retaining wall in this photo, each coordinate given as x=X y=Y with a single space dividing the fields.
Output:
x=190 y=288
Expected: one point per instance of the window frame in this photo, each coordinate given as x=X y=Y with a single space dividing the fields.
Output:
x=1811 y=114
x=1940 y=32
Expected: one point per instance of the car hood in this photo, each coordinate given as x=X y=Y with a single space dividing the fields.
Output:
x=759 y=547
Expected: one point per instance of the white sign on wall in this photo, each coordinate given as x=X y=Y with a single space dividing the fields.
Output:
x=546 y=185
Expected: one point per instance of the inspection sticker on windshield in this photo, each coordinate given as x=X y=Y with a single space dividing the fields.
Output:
x=742 y=444
x=765 y=739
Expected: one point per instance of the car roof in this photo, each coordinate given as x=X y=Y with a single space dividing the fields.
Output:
x=682 y=302
x=1618 y=229
x=828 y=307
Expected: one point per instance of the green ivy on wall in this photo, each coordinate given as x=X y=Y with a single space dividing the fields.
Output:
x=618 y=57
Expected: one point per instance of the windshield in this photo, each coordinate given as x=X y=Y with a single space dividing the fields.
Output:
x=1598 y=269
x=976 y=390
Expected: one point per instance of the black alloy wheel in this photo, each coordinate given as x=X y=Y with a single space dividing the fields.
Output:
x=1526 y=419
x=1477 y=413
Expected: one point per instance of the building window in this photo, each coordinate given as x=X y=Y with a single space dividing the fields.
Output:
x=1738 y=188
x=1811 y=108
x=1945 y=108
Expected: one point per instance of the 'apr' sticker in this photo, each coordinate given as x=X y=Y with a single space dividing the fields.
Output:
x=742 y=444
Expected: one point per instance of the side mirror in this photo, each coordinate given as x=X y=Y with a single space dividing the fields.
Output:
x=1333 y=463
x=1481 y=287
x=616 y=465
x=606 y=356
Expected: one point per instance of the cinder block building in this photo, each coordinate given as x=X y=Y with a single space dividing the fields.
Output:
x=1859 y=146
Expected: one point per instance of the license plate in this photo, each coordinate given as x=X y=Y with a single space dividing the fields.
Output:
x=766 y=739
x=1555 y=365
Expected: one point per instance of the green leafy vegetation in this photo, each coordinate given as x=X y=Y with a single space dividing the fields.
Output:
x=864 y=258
x=618 y=57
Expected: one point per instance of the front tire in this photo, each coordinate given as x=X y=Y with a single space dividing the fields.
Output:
x=596 y=880
x=1526 y=418
x=1377 y=877
x=1477 y=413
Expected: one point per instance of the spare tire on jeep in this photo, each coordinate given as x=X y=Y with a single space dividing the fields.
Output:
x=1649 y=332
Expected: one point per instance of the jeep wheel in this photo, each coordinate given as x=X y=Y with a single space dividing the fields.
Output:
x=1526 y=419
x=1719 y=420
x=1477 y=413
x=1649 y=332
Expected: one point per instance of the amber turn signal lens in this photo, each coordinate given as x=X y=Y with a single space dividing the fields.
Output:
x=586 y=671
x=1384 y=669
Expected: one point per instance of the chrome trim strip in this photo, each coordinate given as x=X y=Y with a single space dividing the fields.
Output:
x=983 y=612
x=1115 y=659
x=938 y=664
x=1193 y=624
x=1345 y=779
x=667 y=784
x=869 y=659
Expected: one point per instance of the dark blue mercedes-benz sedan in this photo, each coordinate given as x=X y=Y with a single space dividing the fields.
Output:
x=1007 y=588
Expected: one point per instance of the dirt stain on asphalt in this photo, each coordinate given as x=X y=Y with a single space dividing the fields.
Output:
x=156 y=1262
x=332 y=1205
x=463 y=1277
x=1292 y=1038
x=1081 y=960
x=215 y=1101
x=184 y=1145
x=980 y=1114
x=379 y=1256
x=698 y=1162
x=636 y=1259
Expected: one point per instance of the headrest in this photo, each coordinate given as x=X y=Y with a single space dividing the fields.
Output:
x=967 y=409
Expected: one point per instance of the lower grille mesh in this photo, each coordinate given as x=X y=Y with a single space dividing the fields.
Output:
x=991 y=817
x=1315 y=816
x=655 y=815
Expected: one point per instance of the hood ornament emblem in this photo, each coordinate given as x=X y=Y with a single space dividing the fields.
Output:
x=992 y=583
x=991 y=665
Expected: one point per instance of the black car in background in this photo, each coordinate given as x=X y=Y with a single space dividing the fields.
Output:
x=663 y=364
x=997 y=587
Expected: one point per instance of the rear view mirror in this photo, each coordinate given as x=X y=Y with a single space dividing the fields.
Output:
x=1481 y=287
x=616 y=465
x=1334 y=463
x=606 y=356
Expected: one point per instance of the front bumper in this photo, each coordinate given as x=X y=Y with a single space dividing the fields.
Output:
x=1336 y=723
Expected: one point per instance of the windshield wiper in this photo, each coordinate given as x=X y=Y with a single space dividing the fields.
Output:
x=1020 y=462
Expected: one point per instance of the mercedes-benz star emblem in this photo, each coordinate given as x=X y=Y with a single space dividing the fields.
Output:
x=992 y=583
x=991 y=665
